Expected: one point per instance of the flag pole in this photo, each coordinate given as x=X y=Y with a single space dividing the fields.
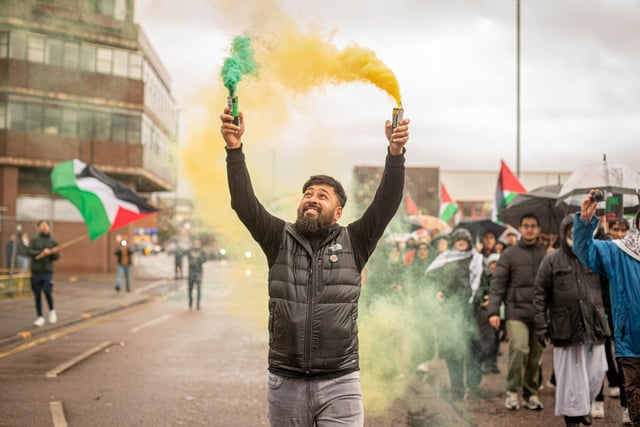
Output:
x=66 y=244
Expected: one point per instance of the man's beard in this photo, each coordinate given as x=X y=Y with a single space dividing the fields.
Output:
x=313 y=227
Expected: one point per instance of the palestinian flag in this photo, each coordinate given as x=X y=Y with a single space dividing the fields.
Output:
x=448 y=208
x=508 y=187
x=411 y=207
x=104 y=203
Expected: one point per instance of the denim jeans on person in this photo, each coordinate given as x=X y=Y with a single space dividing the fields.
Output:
x=197 y=284
x=42 y=282
x=313 y=402
x=124 y=270
x=525 y=354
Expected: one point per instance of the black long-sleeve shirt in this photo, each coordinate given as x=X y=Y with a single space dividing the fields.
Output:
x=267 y=229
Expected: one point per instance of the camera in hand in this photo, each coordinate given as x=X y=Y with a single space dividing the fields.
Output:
x=597 y=196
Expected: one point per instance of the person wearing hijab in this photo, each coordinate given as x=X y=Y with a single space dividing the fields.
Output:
x=455 y=276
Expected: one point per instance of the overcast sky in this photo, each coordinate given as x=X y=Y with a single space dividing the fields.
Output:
x=455 y=62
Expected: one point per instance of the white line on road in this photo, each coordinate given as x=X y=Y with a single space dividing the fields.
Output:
x=68 y=364
x=149 y=323
x=57 y=413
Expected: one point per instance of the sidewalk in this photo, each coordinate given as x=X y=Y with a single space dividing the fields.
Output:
x=76 y=298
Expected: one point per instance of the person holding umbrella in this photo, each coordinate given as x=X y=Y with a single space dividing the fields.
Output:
x=619 y=261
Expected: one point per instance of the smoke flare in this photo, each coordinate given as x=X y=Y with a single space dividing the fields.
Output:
x=240 y=62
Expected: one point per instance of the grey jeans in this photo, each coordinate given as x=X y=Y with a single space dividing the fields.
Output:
x=295 y=402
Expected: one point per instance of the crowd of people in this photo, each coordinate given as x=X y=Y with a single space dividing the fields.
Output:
x=531 y=290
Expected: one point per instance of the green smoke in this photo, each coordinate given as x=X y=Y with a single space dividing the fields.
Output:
x=240 y=62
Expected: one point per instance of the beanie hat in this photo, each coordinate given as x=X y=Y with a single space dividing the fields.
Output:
x=461 y=234
x=494 y=257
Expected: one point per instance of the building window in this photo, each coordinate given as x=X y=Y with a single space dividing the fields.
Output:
x=69 y=122
x=105 y=58
x=33 y=117
x=88 y=58
x=3 y=114
x=35 y=49
x=54 y=52
x=17 y=46
x=120 y=63
x=119 y=127
x=133 y=130
x=16 y=116
x=135 y=67
x=4 y=45
x=85 y=124
x=71 y=55
x=103 y=126
x=52 y=120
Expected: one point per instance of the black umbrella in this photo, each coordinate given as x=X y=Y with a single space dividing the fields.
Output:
x=478 y=227
x=542 y=203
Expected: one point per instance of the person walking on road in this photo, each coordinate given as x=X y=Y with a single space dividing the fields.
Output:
x=315 y=268
x=43 y=250
x=455 y=276
x=124 y=254
x=619 y=261
x=195 y=258
x=570 y=313
x=512 y=283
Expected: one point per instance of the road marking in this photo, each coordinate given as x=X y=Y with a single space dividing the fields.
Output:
x=25 y=335
x=160 y=319
x=57 y=413
x=68 y=364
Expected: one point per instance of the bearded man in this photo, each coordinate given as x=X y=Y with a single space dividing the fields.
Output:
x=315 y=270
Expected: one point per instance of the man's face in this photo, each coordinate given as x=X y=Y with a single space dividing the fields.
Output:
x=318 y=210
x=529 y=230
x=43 y=227
x=488 y=240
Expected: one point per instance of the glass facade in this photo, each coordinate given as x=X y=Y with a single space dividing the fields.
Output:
x=81 y=121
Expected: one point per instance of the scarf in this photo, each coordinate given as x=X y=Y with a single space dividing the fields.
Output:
x=476 y=266
x=630 y=244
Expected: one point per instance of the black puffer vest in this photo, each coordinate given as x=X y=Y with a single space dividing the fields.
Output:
x=313 y=306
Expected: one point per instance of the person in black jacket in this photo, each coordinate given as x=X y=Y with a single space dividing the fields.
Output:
x=512 y=283
x=43 y=250
x=195 y=258
x=315 y=269
x=569 y=312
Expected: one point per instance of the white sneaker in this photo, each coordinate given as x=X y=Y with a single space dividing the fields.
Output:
x=614 y=391
x=39 y=322
x=625 y=417
x=534 y=403
x=511 y=401
x=423 y=367
x=53 y=317
x=597 y=409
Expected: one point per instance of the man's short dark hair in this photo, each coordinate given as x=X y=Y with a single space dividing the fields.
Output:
x=41 y=221
x=331 y=182
x=529 y=216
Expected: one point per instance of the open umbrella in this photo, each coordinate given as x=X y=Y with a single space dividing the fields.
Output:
x=541 y=202
x=611 y=178
x=478 y=227
x=431 y=223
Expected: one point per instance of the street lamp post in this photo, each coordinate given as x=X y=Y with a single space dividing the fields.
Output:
x=518 y=88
